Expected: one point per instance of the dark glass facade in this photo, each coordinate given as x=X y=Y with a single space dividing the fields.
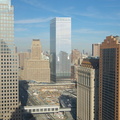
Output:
x=108 y=83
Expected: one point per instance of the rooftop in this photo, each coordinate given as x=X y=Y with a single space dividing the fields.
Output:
x=90 y=63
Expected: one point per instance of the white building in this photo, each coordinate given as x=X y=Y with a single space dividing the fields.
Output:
x=60 y=48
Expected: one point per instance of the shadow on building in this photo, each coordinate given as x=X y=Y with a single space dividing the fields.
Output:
x=23 y=98
x=19 y=113
x=23 y=94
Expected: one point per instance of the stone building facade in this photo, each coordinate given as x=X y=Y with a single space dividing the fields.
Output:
x=36 y=68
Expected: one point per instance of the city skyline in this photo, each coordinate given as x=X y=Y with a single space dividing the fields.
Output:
x=91 y=21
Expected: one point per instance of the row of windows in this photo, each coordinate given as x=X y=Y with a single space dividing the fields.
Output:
x=6 y=93
x=9 y=87
x=8 y=62
x=9 y=80
x=6 y=32
x=9 y=83
x=5 y=101
x=5 y=49
x=10 y=67
x=11 y=36
x=5 y=52
x=2 y=22
x=10 y=105
x=7 y=70
x=8 y=101
x=10 y=94
x=7 y=15
x=44 y=109
x=6 y=25
x=6 y=28
x=9 y=56
x=7 y=45
x=9 y=91
x=8 y=59
x=3 y=6
x=6 y=11
x=9 y=74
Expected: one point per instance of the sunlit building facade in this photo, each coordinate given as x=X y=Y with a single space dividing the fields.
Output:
x=9 y=95
x=36 y=68
x=60 y=48
x=75 y=57
x=87 y=90
x=96 y=50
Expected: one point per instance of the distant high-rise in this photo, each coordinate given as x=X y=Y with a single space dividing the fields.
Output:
x=109 y=79
x=87 y=90
x=75 y=57
x=60 y=49
x=9 y=94
x=96 y=50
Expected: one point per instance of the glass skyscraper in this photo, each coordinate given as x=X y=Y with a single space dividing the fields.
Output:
x=60 y=48
x=9 y=100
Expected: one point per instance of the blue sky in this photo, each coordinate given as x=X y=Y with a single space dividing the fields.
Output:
x=92 y=21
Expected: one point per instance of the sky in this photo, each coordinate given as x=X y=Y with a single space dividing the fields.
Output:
x=92 y=21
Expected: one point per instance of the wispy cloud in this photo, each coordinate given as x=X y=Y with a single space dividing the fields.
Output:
x=20 y=29
x=90 y=12
x=36 y=20
x=90 y=31
x=36 y=3
x=84 y=14
x=109 y=24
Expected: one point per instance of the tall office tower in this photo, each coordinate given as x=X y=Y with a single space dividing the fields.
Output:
x=60 y=49
x=9 y=100
x=109 y=79
x=96 y=50
x=36 y=68
x=87 y=90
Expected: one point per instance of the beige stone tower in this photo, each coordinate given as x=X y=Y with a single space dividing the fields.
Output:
x=36 y=49
x=36 y=68
x=87 y=90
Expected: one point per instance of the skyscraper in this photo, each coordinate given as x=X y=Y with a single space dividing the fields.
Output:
x=109 y=79
x=87 y=90
x=96 y=50
x=9 y=100
x=36 y=68
x=60 y=48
